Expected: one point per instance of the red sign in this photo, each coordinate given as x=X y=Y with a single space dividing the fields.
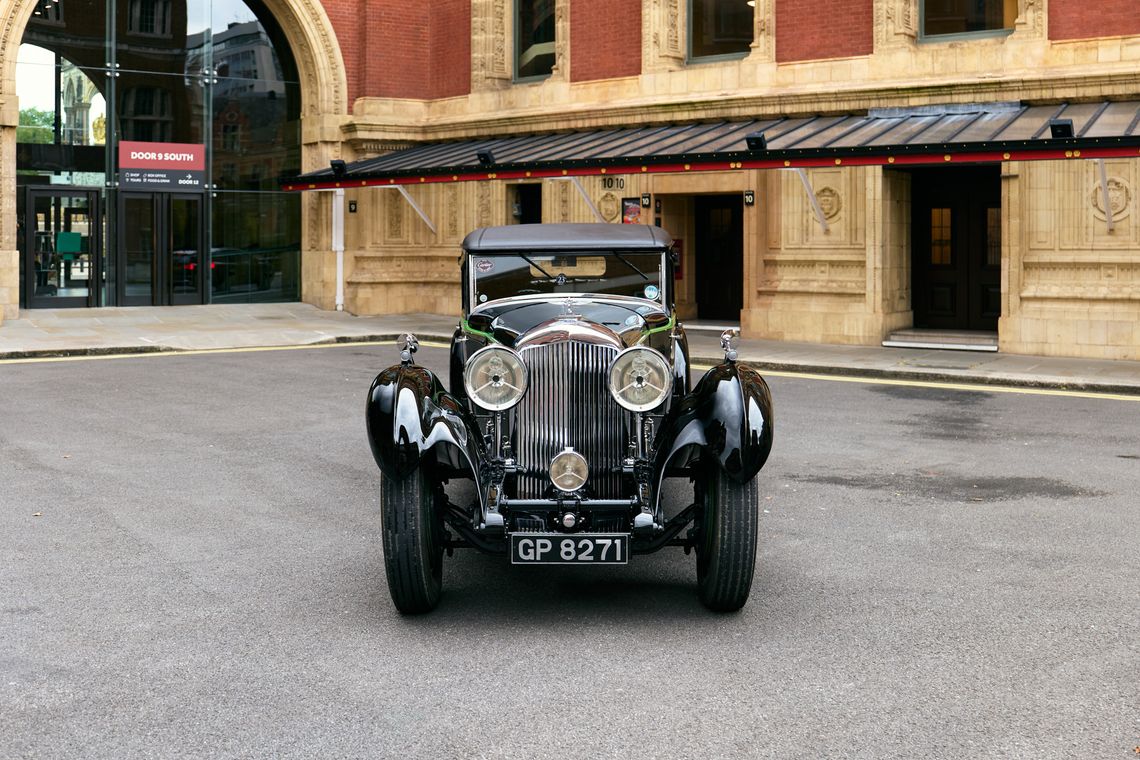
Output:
x=152 y=155
x=162 y=166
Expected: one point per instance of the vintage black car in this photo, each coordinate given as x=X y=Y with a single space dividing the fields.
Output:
x=570 y=404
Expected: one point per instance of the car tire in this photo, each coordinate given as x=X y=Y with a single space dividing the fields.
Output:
x=413 y=542
x=726 y=540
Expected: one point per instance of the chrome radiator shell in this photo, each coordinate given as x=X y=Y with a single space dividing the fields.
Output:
x=568 y=403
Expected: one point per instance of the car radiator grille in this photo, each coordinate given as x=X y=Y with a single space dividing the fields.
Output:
x=567 y=403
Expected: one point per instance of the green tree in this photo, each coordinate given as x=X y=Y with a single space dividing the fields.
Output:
x=36 y=126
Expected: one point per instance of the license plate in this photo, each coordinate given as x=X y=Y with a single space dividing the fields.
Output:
x=563 y=549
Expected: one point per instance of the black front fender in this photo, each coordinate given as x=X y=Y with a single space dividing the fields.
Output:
x=410 y=417
x=727 y=417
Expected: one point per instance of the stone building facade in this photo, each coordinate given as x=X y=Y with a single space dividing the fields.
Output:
x=382 y=75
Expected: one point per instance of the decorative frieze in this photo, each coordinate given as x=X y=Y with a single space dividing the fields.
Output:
x=813 y=276
x=1081 y=280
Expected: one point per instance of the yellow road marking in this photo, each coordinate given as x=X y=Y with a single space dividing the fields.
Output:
x=982 y=387
x=201 y=351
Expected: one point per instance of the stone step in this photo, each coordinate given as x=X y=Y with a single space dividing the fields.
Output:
x=954 y=340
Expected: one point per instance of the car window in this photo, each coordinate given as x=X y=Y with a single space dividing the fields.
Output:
x=626 y=273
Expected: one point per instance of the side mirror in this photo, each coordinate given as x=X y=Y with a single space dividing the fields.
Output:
x=480 y=322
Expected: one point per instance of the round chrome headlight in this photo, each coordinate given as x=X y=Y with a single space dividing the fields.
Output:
x=495 y=378
x=568 y=470
x=640 y=379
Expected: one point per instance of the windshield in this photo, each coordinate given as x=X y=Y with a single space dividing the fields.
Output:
x=624 y=273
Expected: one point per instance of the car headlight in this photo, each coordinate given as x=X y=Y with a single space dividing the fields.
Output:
x=640 y=379
x=495 y=378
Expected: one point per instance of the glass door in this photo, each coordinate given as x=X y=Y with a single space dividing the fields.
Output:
x=184 y=231
x=138 y=241
x=62 y=246
x=161 y=250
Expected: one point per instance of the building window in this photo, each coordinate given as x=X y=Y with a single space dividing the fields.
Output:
x=941 y=17
x=993 y=237
x=146 y=115
x=941 y=237
x=149 y=17
x=534 y=38
x=50 y=11
x=231 y=137
x=720 y=27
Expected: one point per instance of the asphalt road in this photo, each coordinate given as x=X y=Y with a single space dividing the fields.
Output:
x=190 y=565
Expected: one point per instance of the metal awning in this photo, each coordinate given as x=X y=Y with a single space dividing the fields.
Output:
x=941 y=135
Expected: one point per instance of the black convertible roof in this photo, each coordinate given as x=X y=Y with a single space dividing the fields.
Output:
x=560 y=237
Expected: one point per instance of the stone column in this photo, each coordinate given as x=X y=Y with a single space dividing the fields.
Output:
x=320 y=143
x=9 y=256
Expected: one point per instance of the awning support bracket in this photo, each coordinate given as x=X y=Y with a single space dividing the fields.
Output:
x=585 y=196
x=412 y=202
x=815 y=207
x=1105 y=197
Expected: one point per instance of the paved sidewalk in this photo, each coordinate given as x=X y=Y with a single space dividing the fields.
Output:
x=69 y=332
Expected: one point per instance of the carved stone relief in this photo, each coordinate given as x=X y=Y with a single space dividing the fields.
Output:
x=662 y=43
x=490 y=32
x=564 y=201
x=451 y=203
x=561 y=68
x=1119 y=197
x=483 y=204
x=609 y=206
x=1030 y=18
x=896 y=23
x=394 y=212
x=829 y=202
x=764 y=31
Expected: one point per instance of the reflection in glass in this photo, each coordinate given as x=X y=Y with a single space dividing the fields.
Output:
x=255 y=254
x=136 y=229
x=534 y=25
x=256 y=138
x=213 y=72
x=59 y=102
x=185 y=246
x=63 y=239
x=720 y=27
x=962 y=16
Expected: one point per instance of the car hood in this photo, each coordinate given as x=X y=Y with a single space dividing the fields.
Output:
x=630 y=320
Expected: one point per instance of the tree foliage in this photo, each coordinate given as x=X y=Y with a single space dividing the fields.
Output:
x=36 y=126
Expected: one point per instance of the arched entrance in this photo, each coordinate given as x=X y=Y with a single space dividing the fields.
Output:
x=232 y=77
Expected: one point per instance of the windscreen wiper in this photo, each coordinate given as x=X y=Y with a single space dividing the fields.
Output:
x=532 y=262
x=625 y=261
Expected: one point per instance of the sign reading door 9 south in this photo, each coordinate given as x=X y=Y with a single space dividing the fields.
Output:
x=162 y=166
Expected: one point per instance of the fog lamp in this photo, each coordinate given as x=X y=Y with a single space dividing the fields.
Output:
x=568 y=470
